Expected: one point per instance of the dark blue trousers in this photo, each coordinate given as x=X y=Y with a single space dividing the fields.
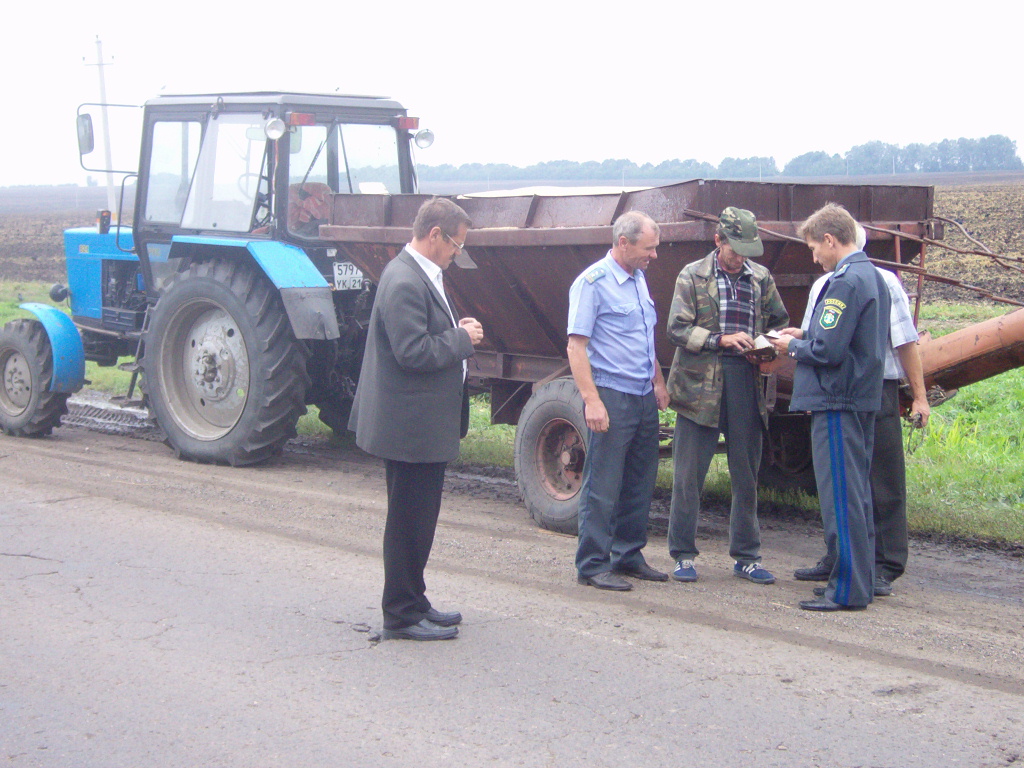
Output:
x=842 y=443
x=618 y=482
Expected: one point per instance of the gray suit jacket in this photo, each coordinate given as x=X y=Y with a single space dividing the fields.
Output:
x=410 y=403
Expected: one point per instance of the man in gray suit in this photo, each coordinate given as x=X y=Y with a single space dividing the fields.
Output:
x=411 y=408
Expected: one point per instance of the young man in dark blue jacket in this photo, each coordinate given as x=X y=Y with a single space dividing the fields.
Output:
x=838 y=378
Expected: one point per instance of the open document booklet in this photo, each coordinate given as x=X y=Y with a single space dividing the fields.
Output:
x=763 y=350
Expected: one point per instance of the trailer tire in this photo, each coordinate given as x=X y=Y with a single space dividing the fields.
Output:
x=550 y=449
x=786 y=455
x=27 y=407
x=226 y=376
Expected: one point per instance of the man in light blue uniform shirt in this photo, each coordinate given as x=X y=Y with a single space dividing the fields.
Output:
x=611 y=354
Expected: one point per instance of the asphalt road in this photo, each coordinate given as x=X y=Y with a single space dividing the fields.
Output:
x=160 y=613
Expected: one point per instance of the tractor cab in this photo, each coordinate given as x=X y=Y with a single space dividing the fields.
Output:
x=257 y=166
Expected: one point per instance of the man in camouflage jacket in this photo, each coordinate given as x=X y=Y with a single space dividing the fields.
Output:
x=720 y=305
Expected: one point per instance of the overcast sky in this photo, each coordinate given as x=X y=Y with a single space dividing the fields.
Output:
x=528 y=81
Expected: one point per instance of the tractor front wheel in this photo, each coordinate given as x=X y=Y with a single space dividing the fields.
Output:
x=27 y=407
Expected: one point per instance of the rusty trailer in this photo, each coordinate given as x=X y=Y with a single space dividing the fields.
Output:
x=528 y=248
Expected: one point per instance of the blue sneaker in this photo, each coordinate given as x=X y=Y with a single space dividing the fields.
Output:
x=753 y=572
x=684 y=571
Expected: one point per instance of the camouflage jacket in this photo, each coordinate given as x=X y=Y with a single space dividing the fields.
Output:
x=695 y=379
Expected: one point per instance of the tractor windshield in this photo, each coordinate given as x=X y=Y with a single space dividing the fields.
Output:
x=337 y=158
x=230 y=175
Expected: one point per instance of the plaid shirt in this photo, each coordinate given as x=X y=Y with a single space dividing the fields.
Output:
x=736 y=304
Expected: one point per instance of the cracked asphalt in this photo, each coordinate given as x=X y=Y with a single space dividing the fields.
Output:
x=161 y=613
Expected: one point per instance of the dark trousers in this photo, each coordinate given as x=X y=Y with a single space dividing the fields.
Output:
x=888 y=489
x=414 y=501
x=692 y=449
x=618 y=481
x=841 y=443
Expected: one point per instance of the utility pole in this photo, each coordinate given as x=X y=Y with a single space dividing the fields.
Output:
x=100 y=64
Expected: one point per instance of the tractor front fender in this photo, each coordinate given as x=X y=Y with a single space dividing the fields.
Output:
x=305 y=293
x=66 y=343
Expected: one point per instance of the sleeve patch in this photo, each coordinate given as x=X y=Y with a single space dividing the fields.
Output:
x=595 y=274
x=830 y=317
x=835 y=303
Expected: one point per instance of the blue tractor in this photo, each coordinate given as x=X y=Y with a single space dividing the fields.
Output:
x=236 y=312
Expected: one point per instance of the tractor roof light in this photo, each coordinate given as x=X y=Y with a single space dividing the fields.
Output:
x=408 y=123
x=300 y=118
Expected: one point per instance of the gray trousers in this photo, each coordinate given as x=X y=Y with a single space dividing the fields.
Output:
x=841 y=443
x=618 y=481
x=692 y=449
x=888 y=489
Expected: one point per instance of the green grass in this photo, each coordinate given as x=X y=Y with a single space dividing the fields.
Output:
x=965 y=476
x=9 y=301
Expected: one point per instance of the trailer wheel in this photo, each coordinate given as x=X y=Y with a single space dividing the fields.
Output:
x=27 y=407
x=550 y=448
x=786 y=460
x=226 y=376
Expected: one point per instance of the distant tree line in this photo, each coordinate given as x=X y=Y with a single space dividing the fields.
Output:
x=992 y=153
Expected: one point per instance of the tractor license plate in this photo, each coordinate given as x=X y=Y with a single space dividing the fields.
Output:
x=347 y=276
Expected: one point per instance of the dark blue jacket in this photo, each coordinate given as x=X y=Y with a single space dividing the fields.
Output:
x=841 y=359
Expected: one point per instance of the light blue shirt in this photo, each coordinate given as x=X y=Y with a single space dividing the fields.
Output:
x=615 y=311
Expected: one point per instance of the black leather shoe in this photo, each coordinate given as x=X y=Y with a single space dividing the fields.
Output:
x=644 y=572
x=824 y=604
x=882 y=588
x=606 y=580
x=424 y=630
x=820 y=571
x=442 y=618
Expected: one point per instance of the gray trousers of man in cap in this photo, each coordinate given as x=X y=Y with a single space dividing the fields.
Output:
x=694 y=446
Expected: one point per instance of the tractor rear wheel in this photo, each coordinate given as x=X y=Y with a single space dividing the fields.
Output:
x=226 y=377
x=27 y=407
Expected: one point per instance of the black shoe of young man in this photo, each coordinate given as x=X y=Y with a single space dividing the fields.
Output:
x=423 y=630
x=882 y=588
x=824 y=604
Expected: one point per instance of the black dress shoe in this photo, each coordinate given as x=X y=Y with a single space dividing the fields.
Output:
x=606 y=580
x=423 y=630
x=882 y=588
x=824 y=604
x=442 y=618
x=820 y=571
x=643 y=572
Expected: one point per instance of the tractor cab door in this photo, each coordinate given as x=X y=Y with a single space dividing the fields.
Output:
x=200 y=174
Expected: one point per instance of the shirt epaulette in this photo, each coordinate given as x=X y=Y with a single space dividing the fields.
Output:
x=595 y=274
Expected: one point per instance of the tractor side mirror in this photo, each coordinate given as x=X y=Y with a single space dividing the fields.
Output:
x=86 y=138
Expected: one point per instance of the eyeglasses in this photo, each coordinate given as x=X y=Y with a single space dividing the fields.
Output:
x=451 y=240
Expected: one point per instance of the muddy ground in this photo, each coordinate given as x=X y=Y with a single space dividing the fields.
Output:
x=159 y=612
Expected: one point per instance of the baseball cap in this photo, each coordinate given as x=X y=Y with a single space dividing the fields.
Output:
x=741 y=231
